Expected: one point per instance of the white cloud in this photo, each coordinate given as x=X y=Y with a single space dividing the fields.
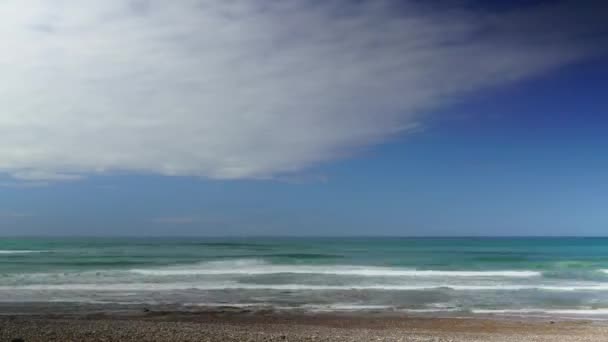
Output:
x=246 y=89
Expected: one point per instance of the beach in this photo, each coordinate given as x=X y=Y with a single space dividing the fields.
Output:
x=303 y=170
x=242 y=325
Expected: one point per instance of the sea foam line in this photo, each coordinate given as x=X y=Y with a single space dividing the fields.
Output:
x=342 y=307
x=365 y=307
x=3 y=251
x=589 y=312
x=292 y=287
x=261 y=268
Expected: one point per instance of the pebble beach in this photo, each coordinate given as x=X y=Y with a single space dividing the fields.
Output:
x=273 y=326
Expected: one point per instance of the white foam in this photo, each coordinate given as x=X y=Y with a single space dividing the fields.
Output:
x=538 y=311
x=343 y=307
x=256 y=267
x=292 y=287
x=362 y=307
x=324 y=307
x=19 y=251
x=234 y=305
x=589 y=312
x=430 y=310
x=567 y=288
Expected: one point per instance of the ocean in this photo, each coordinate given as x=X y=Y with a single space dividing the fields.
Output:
x=489 y=276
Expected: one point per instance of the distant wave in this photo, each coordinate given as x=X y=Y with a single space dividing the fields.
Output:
x=230 y=244
x=299 y=256
x=292 y=287
x=3 y=251
x=257 y=267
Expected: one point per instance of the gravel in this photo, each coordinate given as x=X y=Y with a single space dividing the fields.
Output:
x=235 y=327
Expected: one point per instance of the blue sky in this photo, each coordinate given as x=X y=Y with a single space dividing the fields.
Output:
x=486 y=147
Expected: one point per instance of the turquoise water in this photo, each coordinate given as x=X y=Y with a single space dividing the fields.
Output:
x=561 y=276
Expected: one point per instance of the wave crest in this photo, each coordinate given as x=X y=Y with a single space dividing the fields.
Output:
x=295 y=287
x=5 y=251
x=260 y=267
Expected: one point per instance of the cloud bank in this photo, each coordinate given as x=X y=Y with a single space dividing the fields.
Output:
x=249 y=89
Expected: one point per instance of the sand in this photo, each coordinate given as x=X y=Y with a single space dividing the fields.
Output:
x=229 y=325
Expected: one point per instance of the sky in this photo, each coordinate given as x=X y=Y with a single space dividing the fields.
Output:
x=306 y=117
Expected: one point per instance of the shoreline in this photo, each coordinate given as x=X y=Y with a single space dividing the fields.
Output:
x=82 y=309
x=234 y=324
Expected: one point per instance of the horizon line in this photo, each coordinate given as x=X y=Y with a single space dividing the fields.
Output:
x=311 y=236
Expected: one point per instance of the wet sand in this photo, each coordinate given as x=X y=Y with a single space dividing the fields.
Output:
x=243 y=325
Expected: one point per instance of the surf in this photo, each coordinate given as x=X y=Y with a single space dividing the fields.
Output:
x=5 y=251
x=260 y=267
x=294 y=287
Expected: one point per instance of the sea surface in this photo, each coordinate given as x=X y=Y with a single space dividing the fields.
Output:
x=496 y=276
